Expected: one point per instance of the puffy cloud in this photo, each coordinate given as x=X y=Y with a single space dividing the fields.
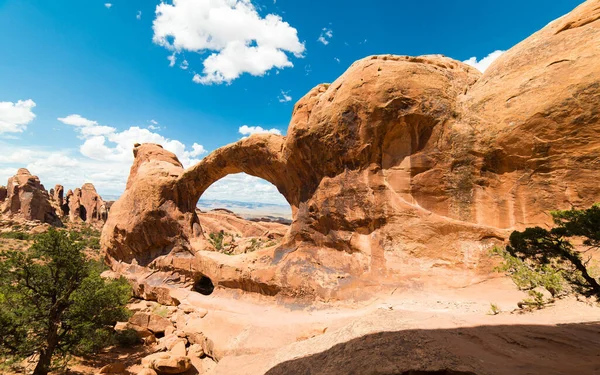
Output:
x=284 y=98
x=241 y=40
x=184 y=65
x=105 y=143
x=485 y=62
x=77 y=120
x=14 y=117
x=326 y=35
x=138 y=15
x=108 y=5
x=249 y=130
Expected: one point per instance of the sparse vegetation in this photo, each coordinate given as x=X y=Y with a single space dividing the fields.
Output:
x=53 y=302
x=538 y=257
x=161 y=311
x=216 y=239
x=494 y=309
x=16 y=235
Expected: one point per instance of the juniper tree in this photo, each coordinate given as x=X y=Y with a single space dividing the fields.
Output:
x=53 y=301
x=543 y=247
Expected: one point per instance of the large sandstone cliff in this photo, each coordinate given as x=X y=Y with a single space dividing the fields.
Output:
x=403 y=165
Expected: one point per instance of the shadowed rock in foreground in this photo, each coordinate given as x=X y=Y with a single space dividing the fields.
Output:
x=403 y=167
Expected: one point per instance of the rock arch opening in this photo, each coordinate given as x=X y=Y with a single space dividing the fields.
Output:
x=204 y=286
x=240 y=213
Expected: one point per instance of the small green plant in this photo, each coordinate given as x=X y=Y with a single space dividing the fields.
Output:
x=16 y=235
x=535 y=301
x=216 y=239
x=255 y=244
x=494 y=309
x=160 y=311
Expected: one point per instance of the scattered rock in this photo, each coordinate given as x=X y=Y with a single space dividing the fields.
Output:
x=113 y=368
x=167 y=363
x=158 y=324
x=179 y=349
x=140 y=319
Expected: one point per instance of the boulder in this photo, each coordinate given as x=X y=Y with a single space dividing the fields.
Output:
x=158 y=324
x=27 y=198
x=179 y=349
x=142 y=332
x=114 y=368
x=166 y=363
x=140 y=319
x=147 y=371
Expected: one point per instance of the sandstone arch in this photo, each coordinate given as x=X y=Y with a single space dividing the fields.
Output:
x=401 y=164
x=260 y=156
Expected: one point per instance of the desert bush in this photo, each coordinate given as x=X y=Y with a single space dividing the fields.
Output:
x=494 y=309
x=127 y=338
x=16 y=235
x=216 y=239
x=545 y=257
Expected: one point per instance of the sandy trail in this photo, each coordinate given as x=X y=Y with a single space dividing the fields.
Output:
x=402 y=330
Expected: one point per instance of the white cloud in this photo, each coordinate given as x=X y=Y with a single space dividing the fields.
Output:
x=105 y=143
x=249 y=130
x=241 y=40
x=326 y=35
x=184 y=65
x=485 y=62
x=14 y=117
x=77 y=120
x=108 y=5
x=337 y=59
x=172 y=59
x=138 y=15
x=284 y=98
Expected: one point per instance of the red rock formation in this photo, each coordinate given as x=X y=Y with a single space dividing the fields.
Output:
x=86 y=205
x=3 y=193
x=402 y=163
x=27 y=198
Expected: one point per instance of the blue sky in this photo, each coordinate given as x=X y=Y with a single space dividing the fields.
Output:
x=81 y=81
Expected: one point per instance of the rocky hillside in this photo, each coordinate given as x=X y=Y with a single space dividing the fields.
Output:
x=25 y=198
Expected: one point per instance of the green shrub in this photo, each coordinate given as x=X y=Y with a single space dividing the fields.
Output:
x=528 y=275
x=216 y=239
x=17 y=235
x=494 y=309
x=127 y=338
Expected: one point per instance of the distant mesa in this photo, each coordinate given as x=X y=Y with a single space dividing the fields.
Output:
x=26 y=198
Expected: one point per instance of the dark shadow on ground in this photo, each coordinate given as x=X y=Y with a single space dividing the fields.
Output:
x=567 y=349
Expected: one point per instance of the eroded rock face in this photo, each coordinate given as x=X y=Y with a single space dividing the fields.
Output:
x=403 y=164
x=27 y=198
x=86 y=205
x=3 y=193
